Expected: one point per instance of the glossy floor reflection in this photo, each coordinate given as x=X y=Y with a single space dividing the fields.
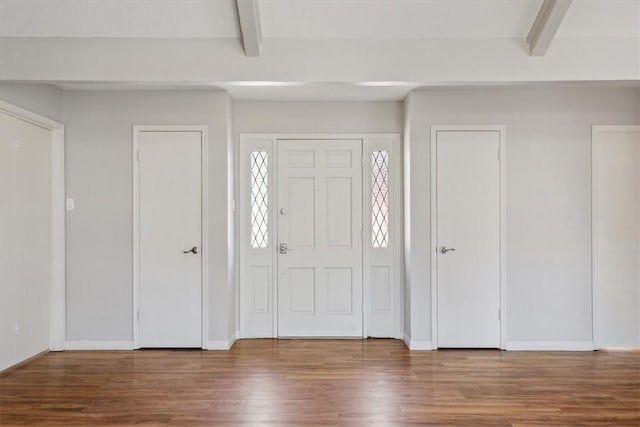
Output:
x=313 y=382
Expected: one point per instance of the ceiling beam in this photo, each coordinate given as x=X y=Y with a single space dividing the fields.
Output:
x=546 y=25
x=249 y=19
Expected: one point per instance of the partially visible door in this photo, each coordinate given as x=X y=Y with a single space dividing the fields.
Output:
x=468 y=238
x=319 y=228
x=616 y=234
x=170 y=233
x=25 y=239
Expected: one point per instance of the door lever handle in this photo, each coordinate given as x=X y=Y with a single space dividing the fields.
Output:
x=193 y=250
x=444 y=249
x=283 y=248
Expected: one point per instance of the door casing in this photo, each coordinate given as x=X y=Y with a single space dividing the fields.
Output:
x=501 y=129
x=136 y=224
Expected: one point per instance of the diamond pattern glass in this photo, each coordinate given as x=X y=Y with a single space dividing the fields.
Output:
x=380 y=199
x=259 y=199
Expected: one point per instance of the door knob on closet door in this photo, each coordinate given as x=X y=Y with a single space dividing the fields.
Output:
x=443 y=249
x=193 y=250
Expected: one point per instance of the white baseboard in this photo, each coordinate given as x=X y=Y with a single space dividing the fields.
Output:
x=223 y=344
x=98 y=345
x=406 y=340
x=234 y=338
x=550 y=346
x=416 y=345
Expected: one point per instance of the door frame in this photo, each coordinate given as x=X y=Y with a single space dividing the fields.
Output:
x=597 y=131
x=370 y=142
x=57 y=333
x=137 y=129
x=502 y=156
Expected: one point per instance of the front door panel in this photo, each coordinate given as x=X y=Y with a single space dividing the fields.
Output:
x=320 y=222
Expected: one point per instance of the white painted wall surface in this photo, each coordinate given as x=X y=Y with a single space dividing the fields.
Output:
x=25 y=239
x=99 y=230
x=548 y=137
x=317 y=117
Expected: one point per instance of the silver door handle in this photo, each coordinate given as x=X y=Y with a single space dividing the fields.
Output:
x=444 y=249
x=193 y=250
x=283 y=248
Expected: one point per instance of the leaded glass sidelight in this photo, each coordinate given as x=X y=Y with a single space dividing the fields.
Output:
x=380 y=199
x=259 y=199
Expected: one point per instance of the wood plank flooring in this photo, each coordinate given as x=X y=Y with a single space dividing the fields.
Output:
x=322 y=382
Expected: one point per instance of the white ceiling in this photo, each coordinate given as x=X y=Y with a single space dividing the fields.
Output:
x=397 y=19
x=602 y=18
x=119 y=18
x=310 y=19
x=312 y=49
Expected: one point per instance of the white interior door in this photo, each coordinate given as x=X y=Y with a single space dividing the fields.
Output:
x=468 y=238
x=25 y=239
x=616 y=185
x=320 y=222
x=170 y=233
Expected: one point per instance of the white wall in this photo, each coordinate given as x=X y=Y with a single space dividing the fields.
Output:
x=317 y=117
x=99 y=230
x=548 y=200
x=44 y=99
x=25 y=239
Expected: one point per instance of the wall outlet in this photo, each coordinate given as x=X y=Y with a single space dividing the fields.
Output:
x=16 y=328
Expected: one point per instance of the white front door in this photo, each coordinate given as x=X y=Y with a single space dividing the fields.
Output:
x=468 y=238
x=320 y=222
x=170 y=234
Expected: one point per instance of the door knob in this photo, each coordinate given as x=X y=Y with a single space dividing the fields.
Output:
x=444 y=249
x=193 y=250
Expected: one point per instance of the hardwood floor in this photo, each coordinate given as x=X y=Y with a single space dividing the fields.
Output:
x=296 y=382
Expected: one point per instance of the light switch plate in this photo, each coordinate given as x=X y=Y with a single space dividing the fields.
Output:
x=70 y=204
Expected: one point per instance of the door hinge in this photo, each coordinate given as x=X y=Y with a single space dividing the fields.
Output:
x=499 y=314
x=138 y=154
x=138 y=314
x=499 y=155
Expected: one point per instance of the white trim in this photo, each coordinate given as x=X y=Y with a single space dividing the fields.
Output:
x=501 y=129
x=396 y=221
x=28 y=116
x=417 y=345
x=598 y=130
x=204 y=228
x=98 y=345
x=222 y=344
x=58 y=257
x=550 y=346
